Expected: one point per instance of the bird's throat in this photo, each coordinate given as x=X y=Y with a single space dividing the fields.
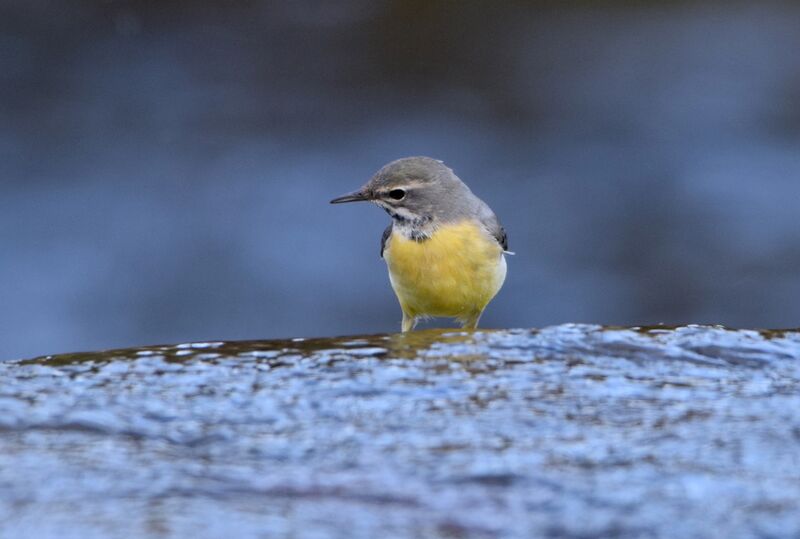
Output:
x=417 y=228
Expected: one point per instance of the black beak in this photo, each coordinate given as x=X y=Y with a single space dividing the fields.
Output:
x=355 y=196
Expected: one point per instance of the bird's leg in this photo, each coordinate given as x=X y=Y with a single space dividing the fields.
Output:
x=409 y=322
x=471 y=321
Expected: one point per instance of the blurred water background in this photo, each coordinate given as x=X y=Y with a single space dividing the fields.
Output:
x=165 y=166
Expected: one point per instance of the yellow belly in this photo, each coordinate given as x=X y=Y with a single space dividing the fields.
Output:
x=455 y=273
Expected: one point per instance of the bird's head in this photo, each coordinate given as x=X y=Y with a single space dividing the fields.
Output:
x=416 y=189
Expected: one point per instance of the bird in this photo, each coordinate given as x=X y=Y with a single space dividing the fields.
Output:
x=445 y=248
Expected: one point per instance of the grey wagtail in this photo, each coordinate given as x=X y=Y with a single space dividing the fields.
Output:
x=445 y=247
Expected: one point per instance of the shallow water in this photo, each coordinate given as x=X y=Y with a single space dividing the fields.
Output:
x=570 y=431
x=165 y=172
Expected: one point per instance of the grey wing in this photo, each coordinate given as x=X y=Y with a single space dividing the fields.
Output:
x=386 y=234
x=502 y=238
x=492 y=224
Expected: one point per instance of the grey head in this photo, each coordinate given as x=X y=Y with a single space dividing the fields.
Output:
x=420 y=193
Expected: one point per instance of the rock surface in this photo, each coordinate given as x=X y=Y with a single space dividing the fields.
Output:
x=569 y=431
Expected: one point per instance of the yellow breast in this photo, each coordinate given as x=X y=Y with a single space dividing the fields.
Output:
x=454 y=273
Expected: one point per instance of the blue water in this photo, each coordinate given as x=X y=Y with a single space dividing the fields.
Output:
x=165 y=170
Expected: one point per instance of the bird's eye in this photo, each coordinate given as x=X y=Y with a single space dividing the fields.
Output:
x=397 y=194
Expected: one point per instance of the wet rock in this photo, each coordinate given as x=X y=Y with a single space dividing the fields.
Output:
x=570 y=431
